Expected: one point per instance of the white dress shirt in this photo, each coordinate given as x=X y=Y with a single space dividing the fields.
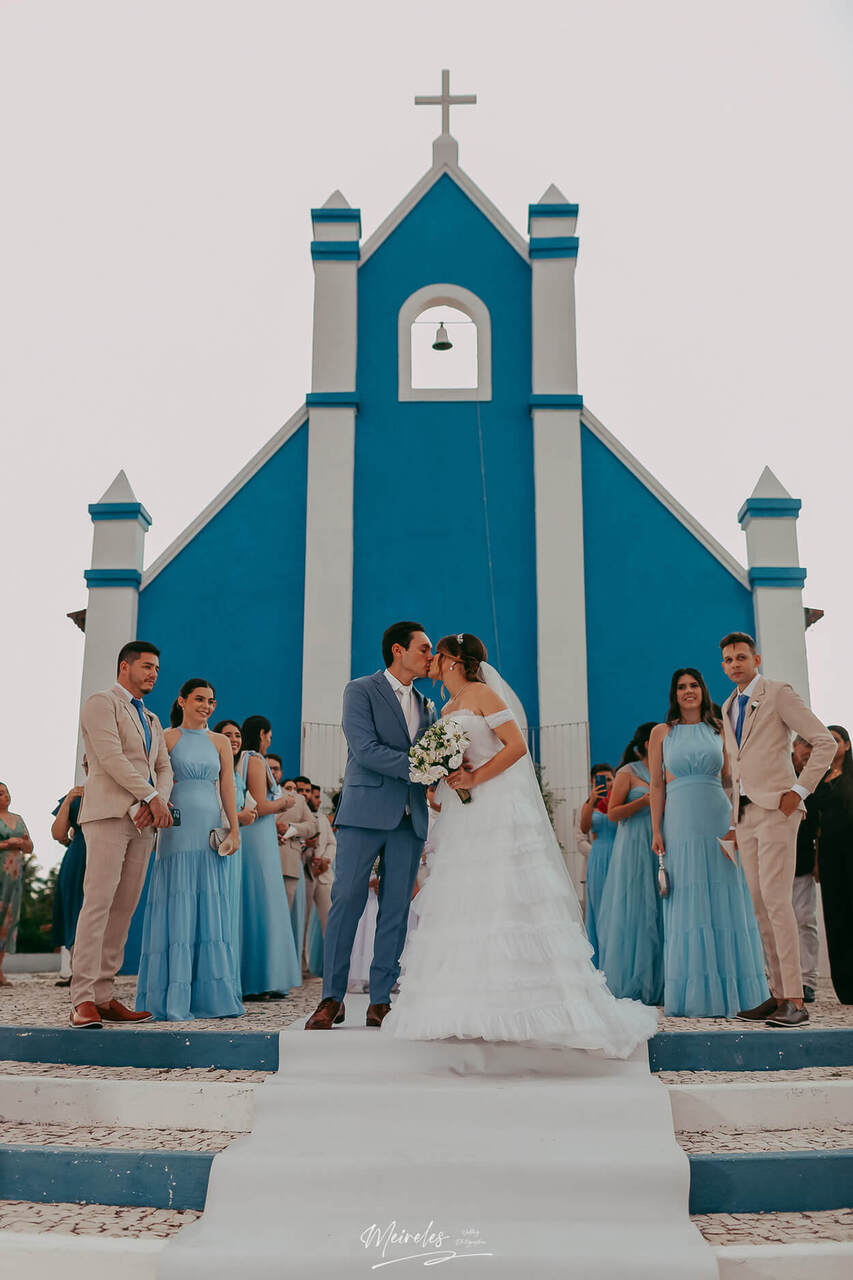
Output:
x=119 y=688
x=406 y=697
x=734 y=713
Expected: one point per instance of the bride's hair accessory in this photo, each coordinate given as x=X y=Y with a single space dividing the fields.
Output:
x=460 y=639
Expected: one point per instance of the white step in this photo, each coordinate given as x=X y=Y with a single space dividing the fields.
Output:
x=48 y=1255
x=136 y=1104
x=823 y=1260
x=761 y=1105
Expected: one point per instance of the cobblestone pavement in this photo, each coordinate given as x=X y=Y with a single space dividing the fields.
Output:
x=729 y=1138
x=825 y=1012
x=34 y=1000
x=64 y=1135
x=92 y=1220
x=802 y=1076
x=775 y=1228
x=65 y=1071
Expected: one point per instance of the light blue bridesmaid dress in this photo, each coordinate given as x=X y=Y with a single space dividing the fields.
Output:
x=630 y=919
x=268 y=958
x=315 y=944
x=297 y=913
x=186 y=968
x=713 y=957
x=597 y=866
x=235 y=885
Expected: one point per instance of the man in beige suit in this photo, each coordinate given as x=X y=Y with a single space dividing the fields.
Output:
x=126 y=798
x=767 y=797
x=320 y=866
x=294 y=827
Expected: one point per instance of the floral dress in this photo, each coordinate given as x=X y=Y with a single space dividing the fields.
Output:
x=11 y=884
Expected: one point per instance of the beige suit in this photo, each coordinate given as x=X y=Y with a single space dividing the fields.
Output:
x=117 y=853
x=300 y=817
x=318 y=890
x=763 y=771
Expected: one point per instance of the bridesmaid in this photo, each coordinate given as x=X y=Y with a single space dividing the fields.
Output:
x=630 y=920
x=246 y=815
x=68 y=895
x=713 y=958
x=270 y=965
x=187 y=968
x=595 y=823
x=14 y=843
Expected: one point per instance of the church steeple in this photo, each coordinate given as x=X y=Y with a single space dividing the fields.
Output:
x=445 y=149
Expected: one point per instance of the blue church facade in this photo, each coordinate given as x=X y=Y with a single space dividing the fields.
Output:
x=504 y=509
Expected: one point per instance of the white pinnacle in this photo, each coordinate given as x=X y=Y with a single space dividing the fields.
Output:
x=769 y=487
x=337 y=200
x=552 y=196
x=119 y=491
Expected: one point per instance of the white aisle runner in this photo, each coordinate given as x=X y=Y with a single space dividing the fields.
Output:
x=508 y=1162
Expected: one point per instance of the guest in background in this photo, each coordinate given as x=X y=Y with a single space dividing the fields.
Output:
x=275 y=766
x=758 y=720
x=303 y=784
x=14 y=843
x=246 y=815
x=320 y=855
x=594 y=822
x=805 y=884
x=713 y=961
x=834 y=801
x=294 y=828
x=630 y=919
x=68 y=893
x=269 y=959
x=187 y=967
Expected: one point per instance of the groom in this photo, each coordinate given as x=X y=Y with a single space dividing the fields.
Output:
x=380 y=812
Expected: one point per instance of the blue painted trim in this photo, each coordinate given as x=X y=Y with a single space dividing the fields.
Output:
x=141 y=1047
x=753 y=1049
x=556 y=401
x=119 y=511
x=554 y=246
x=769 y=509
x=550 y=211
x=112 y=577
x=771 y=1181
x=332 y=397
x=337 y=215
x=336 y=250
x=776 y=576
x=76 y=1175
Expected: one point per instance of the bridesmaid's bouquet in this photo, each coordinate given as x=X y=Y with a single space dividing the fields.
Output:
x=439 y=751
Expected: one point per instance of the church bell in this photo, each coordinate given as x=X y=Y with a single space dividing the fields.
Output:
x=442 y=342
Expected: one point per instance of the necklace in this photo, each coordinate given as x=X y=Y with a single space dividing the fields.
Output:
x=458 y=694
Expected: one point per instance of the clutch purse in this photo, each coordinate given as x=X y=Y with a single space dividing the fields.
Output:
x=217 y=836
x=663 y=878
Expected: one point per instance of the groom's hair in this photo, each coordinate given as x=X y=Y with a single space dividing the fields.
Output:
x=738 y=637
x=398 y=633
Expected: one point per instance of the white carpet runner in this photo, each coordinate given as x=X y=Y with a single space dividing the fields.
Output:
x=506 y=1162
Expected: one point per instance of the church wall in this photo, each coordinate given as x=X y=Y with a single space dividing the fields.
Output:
x=419 y=531
x=229 y=605
x=656 y=599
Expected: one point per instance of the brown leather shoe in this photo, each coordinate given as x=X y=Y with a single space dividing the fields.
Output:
x=85 y=1015
x=115 y=1011
x=788 y=1015
x=375 y=1014
x=328 y=1014
x=760 y=1012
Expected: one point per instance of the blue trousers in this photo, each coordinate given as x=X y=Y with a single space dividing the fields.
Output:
x=358 y=848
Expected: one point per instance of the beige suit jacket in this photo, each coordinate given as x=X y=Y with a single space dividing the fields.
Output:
x=305 y=822
x=327 y=847
x=119 y=770
x=763 y=762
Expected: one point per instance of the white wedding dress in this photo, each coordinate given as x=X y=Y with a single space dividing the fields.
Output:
x=499 y=951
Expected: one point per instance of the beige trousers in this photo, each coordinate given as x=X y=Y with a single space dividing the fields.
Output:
x=319 y=896
x=767 y=841
x=116 y=862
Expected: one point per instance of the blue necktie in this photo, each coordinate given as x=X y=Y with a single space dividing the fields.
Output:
x=140 y=711
x=743 y=699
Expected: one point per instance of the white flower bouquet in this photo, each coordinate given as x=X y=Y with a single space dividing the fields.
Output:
x=439 y=751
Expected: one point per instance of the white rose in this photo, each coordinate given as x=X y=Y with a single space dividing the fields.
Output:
x=455 y=761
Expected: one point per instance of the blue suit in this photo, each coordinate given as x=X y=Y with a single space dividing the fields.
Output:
x=380 y=812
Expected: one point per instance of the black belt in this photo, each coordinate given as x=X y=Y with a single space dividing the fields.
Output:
x=742 y=803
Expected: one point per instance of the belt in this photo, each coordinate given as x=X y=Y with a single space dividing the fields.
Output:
x=742 y=803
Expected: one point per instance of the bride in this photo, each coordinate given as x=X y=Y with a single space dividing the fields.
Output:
x=499 y=951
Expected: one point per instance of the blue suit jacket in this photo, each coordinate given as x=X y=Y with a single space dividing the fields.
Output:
x=376 y=785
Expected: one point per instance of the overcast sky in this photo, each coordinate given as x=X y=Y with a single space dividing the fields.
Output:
x=160 y=161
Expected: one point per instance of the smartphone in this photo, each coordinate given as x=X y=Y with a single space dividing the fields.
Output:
x=176 y=815
x=601 y=780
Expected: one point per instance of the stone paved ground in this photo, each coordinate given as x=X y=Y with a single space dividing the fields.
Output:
x=64 y=1135
x=65 y=1071
x=825 y=1012
x=775 y=1228
x=92 y=1220
x=729 y=1138
x=801 y=1076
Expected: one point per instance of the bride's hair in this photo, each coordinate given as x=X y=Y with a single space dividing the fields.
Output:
x=467 y=649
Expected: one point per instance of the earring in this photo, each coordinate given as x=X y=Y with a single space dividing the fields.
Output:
x=452 y=665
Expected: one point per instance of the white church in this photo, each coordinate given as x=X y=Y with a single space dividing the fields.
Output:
x=449 y=324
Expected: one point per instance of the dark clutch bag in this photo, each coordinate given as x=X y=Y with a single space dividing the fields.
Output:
x=663 y=879
x=176 y=815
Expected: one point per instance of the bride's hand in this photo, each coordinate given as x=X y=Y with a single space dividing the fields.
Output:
x=461 y=778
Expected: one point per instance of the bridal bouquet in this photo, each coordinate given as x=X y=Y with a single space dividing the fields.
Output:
x=437 y=753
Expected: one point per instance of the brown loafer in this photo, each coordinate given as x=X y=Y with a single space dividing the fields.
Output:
x=85 y=1015
x=328 y=1014
x=375 y=1014
x=760 y=1012
x=115 y=1011
x=788 y=1015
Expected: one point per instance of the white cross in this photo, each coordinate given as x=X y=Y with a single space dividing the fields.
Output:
x=446 y=100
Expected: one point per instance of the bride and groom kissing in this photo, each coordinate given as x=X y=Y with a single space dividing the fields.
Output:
x=499 y=951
